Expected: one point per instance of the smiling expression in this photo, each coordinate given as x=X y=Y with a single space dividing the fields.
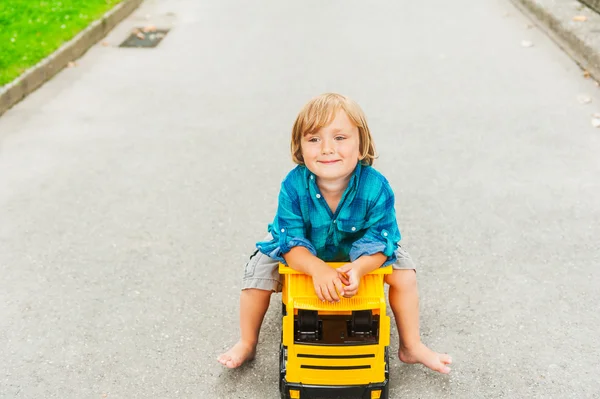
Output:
x=333 y=151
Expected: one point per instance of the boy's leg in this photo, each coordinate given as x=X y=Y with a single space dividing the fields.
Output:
x=261 y=279
x=404 y=301
x=253 y=306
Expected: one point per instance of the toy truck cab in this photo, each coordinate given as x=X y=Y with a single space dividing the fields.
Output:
x=334 y=350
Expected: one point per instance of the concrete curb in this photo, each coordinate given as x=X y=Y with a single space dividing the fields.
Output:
x=578 y=39
x=40 y=73
x=593 y=4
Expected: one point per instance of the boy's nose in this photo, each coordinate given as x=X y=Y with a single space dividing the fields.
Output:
x=326 y=147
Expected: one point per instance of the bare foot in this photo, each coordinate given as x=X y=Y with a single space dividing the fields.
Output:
x=237 y=355
x=422 y=354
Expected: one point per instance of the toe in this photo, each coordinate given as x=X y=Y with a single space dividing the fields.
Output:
x=444 y=369
x=445 y=359
x=222 y=360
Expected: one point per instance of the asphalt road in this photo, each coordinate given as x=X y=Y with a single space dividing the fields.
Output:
x=134 y=185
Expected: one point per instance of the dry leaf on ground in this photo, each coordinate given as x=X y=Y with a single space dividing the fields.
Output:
x=580 y=18
x=583 y=99
x=586 y=74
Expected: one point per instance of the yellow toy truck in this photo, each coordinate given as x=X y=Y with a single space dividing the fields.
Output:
x=334 y=350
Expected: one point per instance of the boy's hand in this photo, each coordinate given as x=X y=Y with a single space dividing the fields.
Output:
x=350 y=276
x=327 y=284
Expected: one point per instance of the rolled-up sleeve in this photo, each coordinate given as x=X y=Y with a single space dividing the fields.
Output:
x=288 y=229
x=382 y=233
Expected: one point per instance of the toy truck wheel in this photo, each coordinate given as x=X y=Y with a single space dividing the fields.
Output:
x=385 y=394
x=282 y=370
x=362 y=322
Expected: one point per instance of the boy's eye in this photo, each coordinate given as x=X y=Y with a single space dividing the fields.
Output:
x=340 y=137
x=313 y=139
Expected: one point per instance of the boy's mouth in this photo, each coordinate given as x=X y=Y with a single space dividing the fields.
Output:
x=328 y=162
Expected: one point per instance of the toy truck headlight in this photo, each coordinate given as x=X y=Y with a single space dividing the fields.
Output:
x=376 y=394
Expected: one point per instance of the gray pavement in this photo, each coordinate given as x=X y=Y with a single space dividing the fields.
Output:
x=133 y=187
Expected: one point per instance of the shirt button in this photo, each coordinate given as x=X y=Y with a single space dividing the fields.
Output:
x=283 y=230
x=335 y=221
x=385 y=234
x=312 y=177
x=353 y=228
x=318 y=195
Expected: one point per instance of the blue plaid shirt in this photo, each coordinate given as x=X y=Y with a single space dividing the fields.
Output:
x=363 y=224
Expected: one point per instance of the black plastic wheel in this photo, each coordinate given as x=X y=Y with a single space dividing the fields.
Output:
x=362 y=321
x=386 y=357
x=308 y=320
x=385 y=394
x=282 y=370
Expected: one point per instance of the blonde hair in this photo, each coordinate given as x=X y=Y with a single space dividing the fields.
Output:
x=320 y=112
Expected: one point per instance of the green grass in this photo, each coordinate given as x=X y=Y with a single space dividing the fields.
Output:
x=30 y=30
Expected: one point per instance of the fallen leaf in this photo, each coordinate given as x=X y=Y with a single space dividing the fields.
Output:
x=580 y=18
x=72 y=64
x=526 y=43
x=586 y=74
x=596 y=122
x=105 y=44
x=140 y=36
x=583 y=99
x=149 y=28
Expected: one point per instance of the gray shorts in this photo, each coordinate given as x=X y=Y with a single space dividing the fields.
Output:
x=262 y=272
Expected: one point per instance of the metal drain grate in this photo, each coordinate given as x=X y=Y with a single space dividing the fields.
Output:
x=145 y=37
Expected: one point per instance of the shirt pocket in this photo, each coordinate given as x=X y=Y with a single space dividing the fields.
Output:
x=350 y=225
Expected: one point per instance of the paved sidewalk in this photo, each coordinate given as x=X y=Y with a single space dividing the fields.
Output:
x=573 y=25
x=133 y=187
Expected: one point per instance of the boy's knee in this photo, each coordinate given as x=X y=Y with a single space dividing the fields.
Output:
x=402 y=278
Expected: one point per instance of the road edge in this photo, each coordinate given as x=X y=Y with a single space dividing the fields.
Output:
x=36 y=76
x=579 y=39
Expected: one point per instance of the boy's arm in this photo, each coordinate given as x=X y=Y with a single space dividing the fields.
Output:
x=367 y=263
x=357 y=269
x=325 y=279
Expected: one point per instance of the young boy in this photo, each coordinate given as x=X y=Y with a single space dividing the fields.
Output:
x=333 y=207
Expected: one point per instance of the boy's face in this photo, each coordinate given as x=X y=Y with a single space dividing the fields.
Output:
x=333 y=151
